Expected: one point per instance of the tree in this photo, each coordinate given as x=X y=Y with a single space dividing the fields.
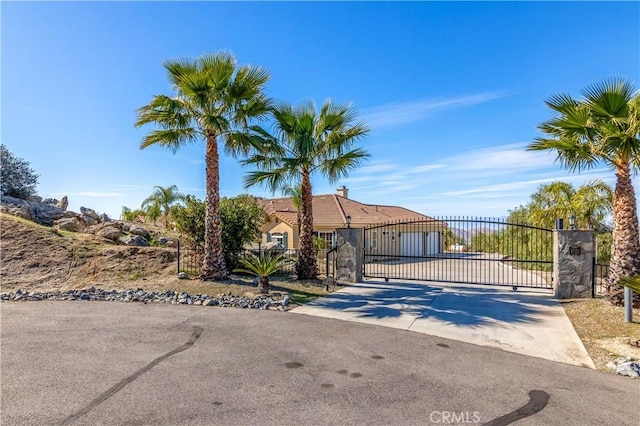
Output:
x=131 y=215
x=162 y=199
x=295 y=192
x=550 y=202
x=189 y=220
x=602 y=128
x=17 y=179
x=214 y=98
x=242 y=220
x=241 y=223
x=262 y=267
x=306 y=142
x=592 y=204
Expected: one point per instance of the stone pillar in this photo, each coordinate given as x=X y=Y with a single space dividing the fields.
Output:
x=573 y=253
x=349 y=255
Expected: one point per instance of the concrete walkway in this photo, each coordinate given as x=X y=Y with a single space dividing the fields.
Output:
x=529 y=322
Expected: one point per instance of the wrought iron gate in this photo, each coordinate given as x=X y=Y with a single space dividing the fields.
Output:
x=462 y=250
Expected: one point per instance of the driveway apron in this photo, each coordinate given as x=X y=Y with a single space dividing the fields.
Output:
x=529 y=322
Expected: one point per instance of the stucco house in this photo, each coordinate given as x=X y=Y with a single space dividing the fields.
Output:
x=330 y=211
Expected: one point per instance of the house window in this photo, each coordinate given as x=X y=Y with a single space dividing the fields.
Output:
x=329 y=237
x=374 y=240
x=276 y=237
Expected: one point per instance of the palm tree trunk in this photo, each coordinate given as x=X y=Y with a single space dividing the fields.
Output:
x=625 y=248
x=307 y=265
x=263 y=285
x=213 y=267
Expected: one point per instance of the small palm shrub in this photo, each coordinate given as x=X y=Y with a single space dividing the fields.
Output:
x=632 y=282
x=262 y=267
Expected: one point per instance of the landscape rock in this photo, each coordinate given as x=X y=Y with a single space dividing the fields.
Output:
x=109 y=232
x=72 y=224
x=46 y=214
x=625 y=367
x=166 y=241
x=64 y=203
x=24 y=212
x=183 y=276
x=133 y=240
x=69 y=213
x=88 y=220
x=50 y=201
x=139 y=230
x=96 y=294
x=35 y=198
x=104 y=218
x=89 y=212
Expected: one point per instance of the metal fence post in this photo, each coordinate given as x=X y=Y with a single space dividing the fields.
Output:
x=178 y=256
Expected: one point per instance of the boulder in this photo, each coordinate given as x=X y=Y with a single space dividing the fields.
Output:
x=166 y=241
x=35 y=199
x=104 y=218
x=88 y=220
x=46 y=214
x=51 y=201
x=72 y=224
x=5 y=200
x=109 y=232
x=69 y=213
x=23 y=212
x=133 y=240
x=89 y=212
x=139 y=230
x=64 y=203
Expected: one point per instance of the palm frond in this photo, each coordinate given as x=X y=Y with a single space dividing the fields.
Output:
x=172 y=139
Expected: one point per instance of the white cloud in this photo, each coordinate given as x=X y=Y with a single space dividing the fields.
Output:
x=398 y=113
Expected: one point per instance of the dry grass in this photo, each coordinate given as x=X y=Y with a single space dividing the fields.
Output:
x=602 y=329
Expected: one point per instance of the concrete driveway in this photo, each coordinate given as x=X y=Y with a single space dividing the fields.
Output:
x=109 y=363
x=528 y=321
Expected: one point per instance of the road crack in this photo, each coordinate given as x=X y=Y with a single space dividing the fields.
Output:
x=197 y=331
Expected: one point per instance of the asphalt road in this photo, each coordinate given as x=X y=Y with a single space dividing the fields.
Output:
x=101 y=363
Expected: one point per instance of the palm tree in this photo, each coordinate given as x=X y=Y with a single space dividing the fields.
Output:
x=603 y=128
x=592 y=204
x=306 y=141
x=163 y=199
x=262 y=267
x=213 y=99
x=295 y=192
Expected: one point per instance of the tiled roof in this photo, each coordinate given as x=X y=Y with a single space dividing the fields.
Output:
x=331 y=210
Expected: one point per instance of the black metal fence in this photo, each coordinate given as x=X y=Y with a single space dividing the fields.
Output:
x=460 y=249
x=600 y=274
x=190 y=260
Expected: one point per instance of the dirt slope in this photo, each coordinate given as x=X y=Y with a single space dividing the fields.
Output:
x=34 y=257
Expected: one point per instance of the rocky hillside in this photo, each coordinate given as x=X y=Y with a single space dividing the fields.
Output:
x=36 y=257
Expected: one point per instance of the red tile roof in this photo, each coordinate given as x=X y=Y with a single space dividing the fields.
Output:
x=331 y=210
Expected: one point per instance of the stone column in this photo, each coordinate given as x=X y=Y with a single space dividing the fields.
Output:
x=573 y=253
x=349 y=255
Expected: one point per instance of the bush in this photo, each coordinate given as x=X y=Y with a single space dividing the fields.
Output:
x=242 y=219
x=17 y=178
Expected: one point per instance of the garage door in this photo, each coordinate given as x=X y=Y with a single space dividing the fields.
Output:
x=433 y=243
x=412 y=244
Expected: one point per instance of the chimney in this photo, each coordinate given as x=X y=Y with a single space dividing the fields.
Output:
x=343 y=192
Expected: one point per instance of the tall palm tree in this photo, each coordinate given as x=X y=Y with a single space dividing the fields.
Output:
x=163 y=198
x=306 y=141
x=213 y=98
x=603 y=128
x=592 y=203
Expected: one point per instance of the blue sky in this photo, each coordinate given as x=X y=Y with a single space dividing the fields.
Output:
x=452 y=91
